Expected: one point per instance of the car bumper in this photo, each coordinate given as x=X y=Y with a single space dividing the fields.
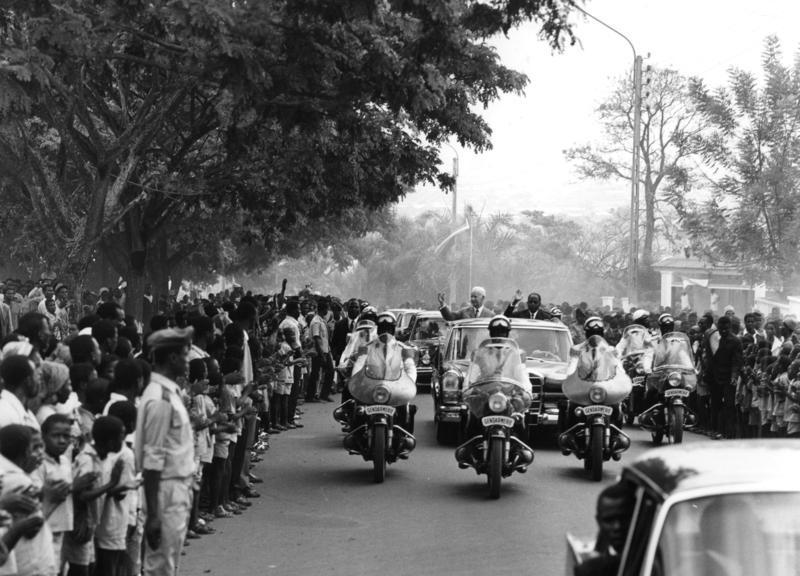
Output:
x=546 y=417
x=424 y=374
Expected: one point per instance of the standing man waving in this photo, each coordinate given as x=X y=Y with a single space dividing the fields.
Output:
x=474 y=310
x=165 y=452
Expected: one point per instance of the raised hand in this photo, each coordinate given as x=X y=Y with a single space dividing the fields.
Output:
x=442 y=298
x=518 y=295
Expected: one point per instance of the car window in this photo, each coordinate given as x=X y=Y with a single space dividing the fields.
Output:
x=535 y=343
x=731 y=534
x=427 y=328
x=639 y=533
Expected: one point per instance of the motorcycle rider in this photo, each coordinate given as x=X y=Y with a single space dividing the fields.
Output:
x=386 y=346
x=499 y=329
x=666 y=324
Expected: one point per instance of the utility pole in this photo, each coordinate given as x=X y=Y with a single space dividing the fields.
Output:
x=633 y=247
x=452 y=297
x=633 y=262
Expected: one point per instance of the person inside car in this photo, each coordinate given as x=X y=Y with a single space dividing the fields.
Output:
x=615 y=506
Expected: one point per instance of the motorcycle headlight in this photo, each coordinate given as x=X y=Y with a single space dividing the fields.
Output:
x=451 y=380
x=426 y=358
x=380 y=395
x=674 y=379
x=498 y=402
x=597 y=394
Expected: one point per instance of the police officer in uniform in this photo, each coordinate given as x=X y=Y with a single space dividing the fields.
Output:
x=165 y=452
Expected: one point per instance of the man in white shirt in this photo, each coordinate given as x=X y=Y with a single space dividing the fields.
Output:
x=20 y=387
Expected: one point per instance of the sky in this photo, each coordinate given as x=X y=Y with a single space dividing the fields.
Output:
x=526 y=169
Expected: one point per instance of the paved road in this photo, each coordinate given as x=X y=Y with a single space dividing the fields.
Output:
x=320 y=512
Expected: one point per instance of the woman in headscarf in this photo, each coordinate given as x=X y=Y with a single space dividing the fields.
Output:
x=56 y=388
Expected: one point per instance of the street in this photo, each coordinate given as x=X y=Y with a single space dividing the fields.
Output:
x=320 y=512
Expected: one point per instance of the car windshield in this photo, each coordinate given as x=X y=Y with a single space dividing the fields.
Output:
x=428 y=328
x=732 y=534
x=535 y=343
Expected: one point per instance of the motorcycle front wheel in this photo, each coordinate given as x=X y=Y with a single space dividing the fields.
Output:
x=379 y=452
x=495 y=468
x=676 y=424
x=597 y=453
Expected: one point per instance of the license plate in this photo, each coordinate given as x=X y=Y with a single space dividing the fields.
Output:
x=592 y=410
x=378 y=409
x=498 y=421
x=638 y=380
x=451 y=416
x=676 y=392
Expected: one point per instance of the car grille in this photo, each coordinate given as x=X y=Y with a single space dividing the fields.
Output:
x=537 y=393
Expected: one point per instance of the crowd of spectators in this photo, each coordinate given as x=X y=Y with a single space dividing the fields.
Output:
x=71 y=491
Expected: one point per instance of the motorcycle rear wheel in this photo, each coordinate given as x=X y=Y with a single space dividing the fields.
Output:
x=597 y=453
x=379 y=453
x=495 y=468
x=676 y=424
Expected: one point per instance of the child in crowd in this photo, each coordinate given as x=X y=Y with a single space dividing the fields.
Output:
x=55 y=476
x=89 y=505
x=780 y=386
x=204 y=416
x=112 y=529
x=23 y=450
x=284 y=381
x=126 y=412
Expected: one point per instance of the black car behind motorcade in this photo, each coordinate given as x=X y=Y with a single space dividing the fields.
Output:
x=426 y=334
x=546 y=345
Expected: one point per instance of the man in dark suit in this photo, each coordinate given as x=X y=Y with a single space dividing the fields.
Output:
x=343 y=327
x=474 y=310
x=533 y=311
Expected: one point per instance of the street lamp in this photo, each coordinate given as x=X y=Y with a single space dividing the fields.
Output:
x=633 y=255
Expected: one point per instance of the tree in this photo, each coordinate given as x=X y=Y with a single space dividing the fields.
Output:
x=669 y=125
x=126 y=125
x=752 y=149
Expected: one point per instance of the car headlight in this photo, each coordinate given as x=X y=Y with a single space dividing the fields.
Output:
x=498 y=402
x=674 y=379
x=451 y=380
x=597 y=394
x=380 y=395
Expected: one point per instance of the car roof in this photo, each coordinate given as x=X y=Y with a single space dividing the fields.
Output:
x=671 y=470
x=515 y=323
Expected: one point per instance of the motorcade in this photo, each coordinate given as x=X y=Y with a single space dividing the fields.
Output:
x=595 y=387
x=381 y=415
x=708 y=509
x=673 y=378
x=545 y=345
x=497 y=392
x=426 y=333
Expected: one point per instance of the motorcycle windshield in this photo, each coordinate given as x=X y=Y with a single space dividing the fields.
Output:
x=496 y=360
x=635 y=340
x=497 y=367
x=384 y=361
x=673 y=351
x=596 y=361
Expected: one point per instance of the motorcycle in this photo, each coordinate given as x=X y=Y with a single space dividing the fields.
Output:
x=496 y=396
x=636 y=351
x=595 y=386
x=673 y=378
x=382 y=417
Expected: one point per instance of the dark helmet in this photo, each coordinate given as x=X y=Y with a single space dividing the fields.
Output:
x=593 y=327
x=386 y=323
x=666 y=323
x=499 y=327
